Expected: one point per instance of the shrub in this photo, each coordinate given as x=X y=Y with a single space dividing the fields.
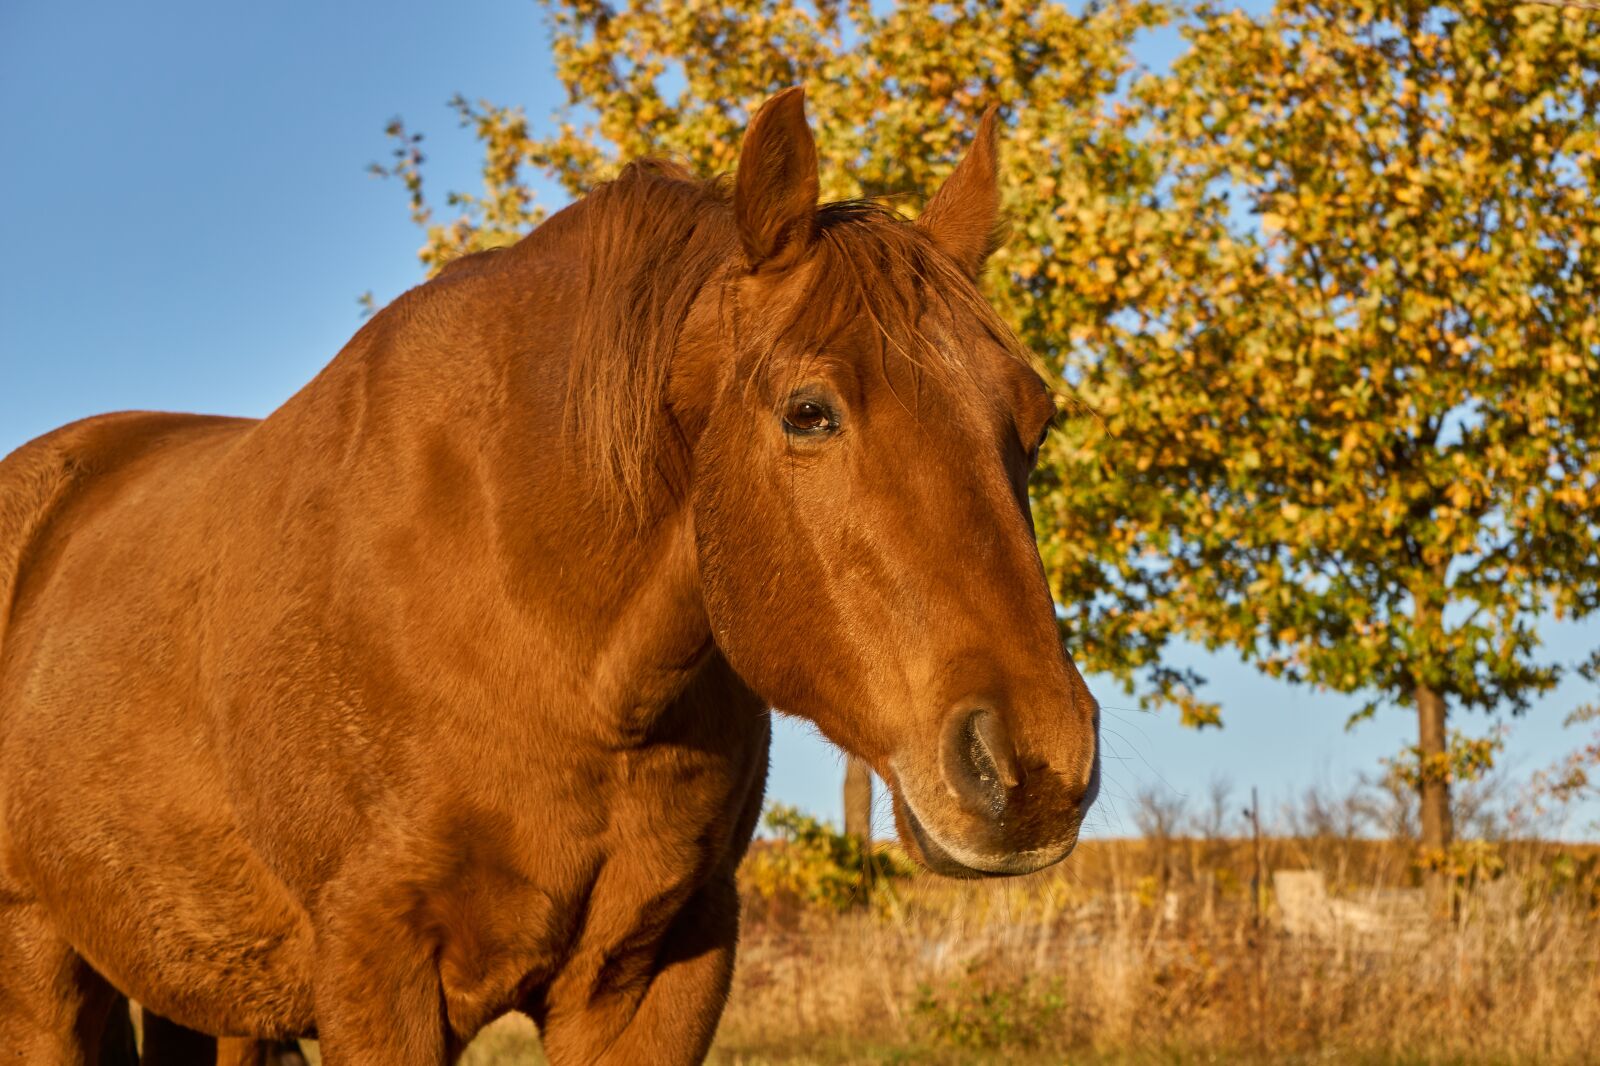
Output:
x=811 y=864
x=985 y=1011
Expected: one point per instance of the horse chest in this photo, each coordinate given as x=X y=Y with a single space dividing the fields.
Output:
x=601 y=891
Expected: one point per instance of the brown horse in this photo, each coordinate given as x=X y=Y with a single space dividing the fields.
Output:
x=441 y=692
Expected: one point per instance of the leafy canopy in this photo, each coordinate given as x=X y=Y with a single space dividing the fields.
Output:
x=1346 y=349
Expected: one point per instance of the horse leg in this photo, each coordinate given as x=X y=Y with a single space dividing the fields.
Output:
x=676 y=1019
x=237 y=1051
x=281 y=1053
x=54 y=1009
x=378 y=995
x=166 y=1043
x=119 y=1045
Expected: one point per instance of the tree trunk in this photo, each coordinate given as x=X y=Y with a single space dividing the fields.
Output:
x=1434 y=789
x=858 y=813
x=858 y=800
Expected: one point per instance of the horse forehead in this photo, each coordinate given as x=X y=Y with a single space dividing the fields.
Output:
x=899 y=336
x=965 y=409
x=975 y=369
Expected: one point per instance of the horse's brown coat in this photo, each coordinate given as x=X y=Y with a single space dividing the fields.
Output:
x=441 y=691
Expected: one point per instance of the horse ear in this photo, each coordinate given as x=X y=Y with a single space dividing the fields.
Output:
x=964 y=215
x=775 y=192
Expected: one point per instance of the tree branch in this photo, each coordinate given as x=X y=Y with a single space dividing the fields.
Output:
x=1581 y=5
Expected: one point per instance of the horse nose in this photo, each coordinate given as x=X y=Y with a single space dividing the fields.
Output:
x=978 y=760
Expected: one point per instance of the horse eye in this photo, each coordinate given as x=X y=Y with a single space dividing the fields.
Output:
x=1033 y=455
x=808 y=416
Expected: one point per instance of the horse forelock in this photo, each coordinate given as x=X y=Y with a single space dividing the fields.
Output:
x=877 y=266
x=655 y=237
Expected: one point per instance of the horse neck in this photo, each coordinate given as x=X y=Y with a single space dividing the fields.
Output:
x=450 y=446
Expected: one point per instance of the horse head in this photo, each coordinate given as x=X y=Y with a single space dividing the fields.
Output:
x=862 y=426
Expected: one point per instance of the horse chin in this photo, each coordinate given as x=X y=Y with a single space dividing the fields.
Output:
x=939 y=859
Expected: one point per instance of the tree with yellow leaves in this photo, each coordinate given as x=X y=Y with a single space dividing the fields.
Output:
x=1351 y=425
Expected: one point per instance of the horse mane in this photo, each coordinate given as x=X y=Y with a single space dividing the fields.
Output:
x=652 y=239
x=655 y=236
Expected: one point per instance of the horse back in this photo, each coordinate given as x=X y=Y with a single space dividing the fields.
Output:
x=40 y=481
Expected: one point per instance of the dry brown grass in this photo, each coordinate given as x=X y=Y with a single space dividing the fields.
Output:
x=1145 y=951
x=1131 y=958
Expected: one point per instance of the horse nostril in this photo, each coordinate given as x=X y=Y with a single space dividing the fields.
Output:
x=991 y=743
x=980 y=764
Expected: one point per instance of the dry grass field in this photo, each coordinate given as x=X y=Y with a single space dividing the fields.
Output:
x=1060 y=970
x=1151 y=951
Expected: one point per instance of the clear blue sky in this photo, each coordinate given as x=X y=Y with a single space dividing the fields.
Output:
x=188 y=222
